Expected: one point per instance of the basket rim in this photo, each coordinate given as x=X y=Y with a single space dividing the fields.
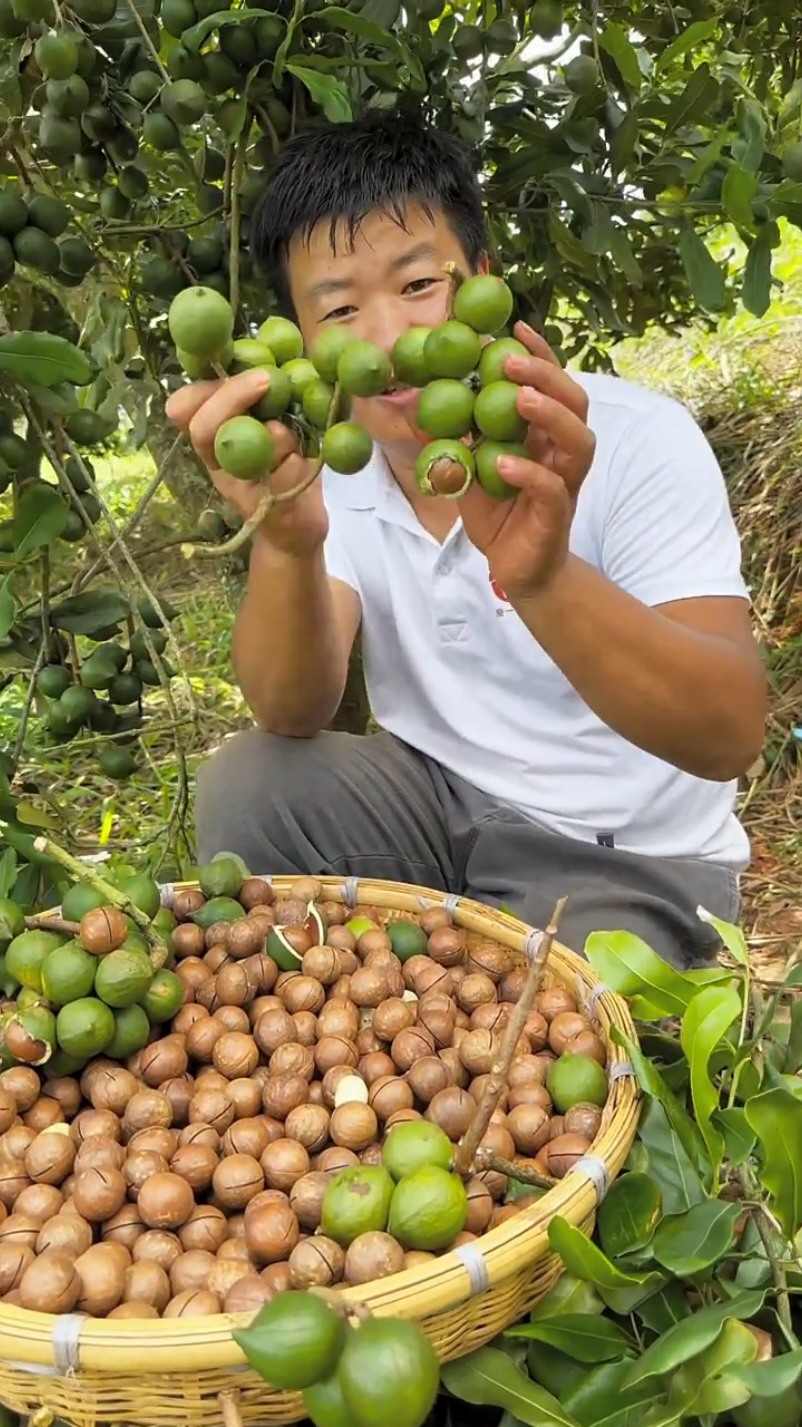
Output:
x=37 y=1341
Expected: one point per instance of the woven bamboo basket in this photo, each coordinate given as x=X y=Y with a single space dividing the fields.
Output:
x=95 y=1373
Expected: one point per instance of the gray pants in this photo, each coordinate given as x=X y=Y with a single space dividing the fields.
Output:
x=373 y=807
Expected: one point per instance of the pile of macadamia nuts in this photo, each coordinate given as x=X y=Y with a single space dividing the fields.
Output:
x=189 y=1180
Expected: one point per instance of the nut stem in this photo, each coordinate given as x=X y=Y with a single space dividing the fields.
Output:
x=51 y=924
x=497 y=1080
x=267 y=501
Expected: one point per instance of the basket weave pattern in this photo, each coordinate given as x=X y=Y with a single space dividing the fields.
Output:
x=93 y=1372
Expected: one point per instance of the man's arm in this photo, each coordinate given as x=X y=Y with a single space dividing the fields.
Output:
x=292 y=640
x=683 y=681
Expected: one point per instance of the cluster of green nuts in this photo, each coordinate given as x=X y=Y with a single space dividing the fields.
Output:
x=365 y=1373
x=103 y=693
x=467 y=407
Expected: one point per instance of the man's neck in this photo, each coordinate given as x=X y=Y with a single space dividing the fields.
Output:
x=437 y=515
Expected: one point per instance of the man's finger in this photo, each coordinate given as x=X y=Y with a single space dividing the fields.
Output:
x=534 y=343
x=183 y=404
x=573 y=444
x=552 y=381
x=284 y=441
x=233 y=397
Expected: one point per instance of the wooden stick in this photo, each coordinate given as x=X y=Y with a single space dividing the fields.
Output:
x=229 y=1404
x=486 y=1159
x=497 y=1080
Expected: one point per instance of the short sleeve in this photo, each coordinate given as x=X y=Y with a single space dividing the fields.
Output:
x=668 y=530
x=339 y=565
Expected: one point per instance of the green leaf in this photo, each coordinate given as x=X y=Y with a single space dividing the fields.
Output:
x=31 y=816
x=586 y=1260
x=8 y=871
x=585 y=1338
x=696 y=99
x=622 y=144
x=739 y=1140
x=90 y=612
x=10 y=91
x=383 y=13
x=8 y=611
x=623 y=256
x=44 y=359
x=615 y=41
x=691 y=1336
x=488 y=1378
x=752 y=126
x=630 y=967
x=705 y=277
x=598 y=235
x=652 y=1082
x=629 y=1215
x=695 y=35
x=772 y=1377
x=737 y=192
x=666 y=1307
x=41 y=516
x=569 y=1295
x=791 y=105
x=193 y=37
x=57 y=400
x=331 y=94
x=793 y=1052
x=597 y=1401
x=364 y=29
x=776 y=1118
x=732 y=936
x=688 y=1243
x=704 y=1024
x=756 y=289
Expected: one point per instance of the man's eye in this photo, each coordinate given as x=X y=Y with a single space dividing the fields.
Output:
x=420 y=284
x=339 y=313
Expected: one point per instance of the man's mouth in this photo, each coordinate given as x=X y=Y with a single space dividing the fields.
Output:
x=399 y=396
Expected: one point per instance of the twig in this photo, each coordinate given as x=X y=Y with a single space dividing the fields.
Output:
x=497 y=1080
x=488 y=1159
x=46 y=922
x=28 y=705
x=235 y=218
x=113 y=895
x=135 y=517
x=149 y=45
x=267 y=501
x=268 y=125
x=181 y=800
x=767 y=1229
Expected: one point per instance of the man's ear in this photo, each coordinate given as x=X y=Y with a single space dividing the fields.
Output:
x=483 y=265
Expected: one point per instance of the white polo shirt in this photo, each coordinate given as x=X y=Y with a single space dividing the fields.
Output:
x=452 y=670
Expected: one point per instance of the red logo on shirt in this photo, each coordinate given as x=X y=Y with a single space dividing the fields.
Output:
x=497 y=590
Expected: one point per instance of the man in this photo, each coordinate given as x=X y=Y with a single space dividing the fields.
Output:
x=567 y=682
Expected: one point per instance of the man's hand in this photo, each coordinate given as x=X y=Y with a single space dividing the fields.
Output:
x=296 y=527
x=525 y=539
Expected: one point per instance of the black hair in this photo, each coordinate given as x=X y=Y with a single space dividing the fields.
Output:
x=343 y=172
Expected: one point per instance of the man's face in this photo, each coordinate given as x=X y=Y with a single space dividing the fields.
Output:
x=393 y=279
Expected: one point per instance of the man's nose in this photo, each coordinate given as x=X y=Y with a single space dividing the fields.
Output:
x=384 y=322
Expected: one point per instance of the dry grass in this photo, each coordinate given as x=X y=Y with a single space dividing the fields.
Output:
x=746 y=391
